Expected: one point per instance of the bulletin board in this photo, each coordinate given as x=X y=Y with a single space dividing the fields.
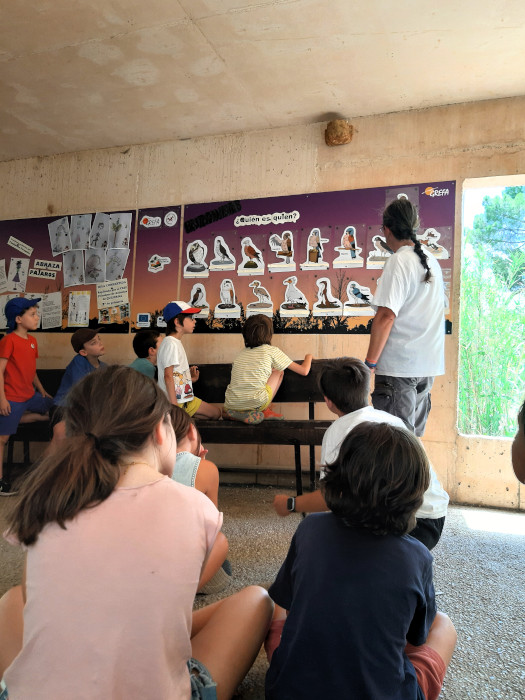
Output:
x=310 y=262
x=79 y=265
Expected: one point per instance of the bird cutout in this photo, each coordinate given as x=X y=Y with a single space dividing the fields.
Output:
x=252 y=259
x=379 y=254
x=198 y=300
x=359 y=299
x=295 y=303
x=196 y=266
x=157 y=263
x=314 y=251
x=430 y=239
x=223 y=258
x=283 y=248
x=349 y=252
x=264 y=303
x=326 y=304
x=228 y=306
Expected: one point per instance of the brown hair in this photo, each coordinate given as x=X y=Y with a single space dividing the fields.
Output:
x=346 y=382
x=378 y=480
x=402 y=219
x=181 y=422
x=111 y=413
x=258 y=330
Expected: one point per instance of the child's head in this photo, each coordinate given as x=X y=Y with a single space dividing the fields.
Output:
x=22 y=312
x=179 y=317
x=185 y=429
x=345 y=382
x=114 y=416
x=258 y=330
x=86 y=342
x=146 y=344
x=518 y=446
x=378 y=480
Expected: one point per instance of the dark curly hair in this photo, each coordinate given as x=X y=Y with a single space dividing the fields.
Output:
x=378 y=480
x=402 y=219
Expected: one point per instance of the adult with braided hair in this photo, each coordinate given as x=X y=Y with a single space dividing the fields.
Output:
x=406 y=347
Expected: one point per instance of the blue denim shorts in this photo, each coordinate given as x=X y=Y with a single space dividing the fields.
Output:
x=203 y=686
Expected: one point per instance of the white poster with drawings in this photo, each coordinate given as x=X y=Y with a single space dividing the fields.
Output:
x=59 y=236
x=73 y=268
x=80 y=230
x=116 y=260
x=95 y=270
x=3 y=277
x=3 y=301
x=51 y=310
x=120 y=229
x=17 y=275
x=78 y=312
x=100 y=231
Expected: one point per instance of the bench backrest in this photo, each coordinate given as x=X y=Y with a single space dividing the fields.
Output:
x=214 y=378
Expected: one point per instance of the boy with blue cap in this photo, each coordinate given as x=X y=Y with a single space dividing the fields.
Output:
x=20 y=387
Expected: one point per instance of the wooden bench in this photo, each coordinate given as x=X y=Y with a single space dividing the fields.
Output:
x=39 y=431
x=211 y=387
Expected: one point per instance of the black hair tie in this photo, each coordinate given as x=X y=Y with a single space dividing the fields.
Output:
x=95 y=440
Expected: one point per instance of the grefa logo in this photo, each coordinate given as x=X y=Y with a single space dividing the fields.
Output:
x=431 y=192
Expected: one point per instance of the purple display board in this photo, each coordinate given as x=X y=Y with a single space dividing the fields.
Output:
x=311 y=262
x=79 y=264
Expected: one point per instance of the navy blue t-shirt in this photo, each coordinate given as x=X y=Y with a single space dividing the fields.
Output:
x=354 y=600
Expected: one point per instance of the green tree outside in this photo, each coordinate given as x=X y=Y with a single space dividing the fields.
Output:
x=492 y=317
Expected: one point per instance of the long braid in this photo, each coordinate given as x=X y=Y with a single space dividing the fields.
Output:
x=418 y=250
x=402 y=219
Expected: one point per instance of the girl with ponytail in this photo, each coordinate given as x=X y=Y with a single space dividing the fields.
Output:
x=115 y=551
x=406 y=348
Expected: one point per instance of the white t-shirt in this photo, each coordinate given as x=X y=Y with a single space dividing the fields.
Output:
x=435 y=499
x=109 y=599
x=416 y=344
x=171 y=353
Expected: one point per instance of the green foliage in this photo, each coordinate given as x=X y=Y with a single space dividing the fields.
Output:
x=492 y=323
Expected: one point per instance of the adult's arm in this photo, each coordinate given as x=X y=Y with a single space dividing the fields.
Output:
x=381 y=327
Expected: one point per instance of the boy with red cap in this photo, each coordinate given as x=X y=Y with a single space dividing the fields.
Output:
x=20 y=387
x=176 y=377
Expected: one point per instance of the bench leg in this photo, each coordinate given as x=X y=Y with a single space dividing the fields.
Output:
x=312 y=468
x=298 y=473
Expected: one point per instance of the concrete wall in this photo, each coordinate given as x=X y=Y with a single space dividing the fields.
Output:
x=472 y=140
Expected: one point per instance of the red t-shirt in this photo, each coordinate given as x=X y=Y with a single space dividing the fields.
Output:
x=20 y=370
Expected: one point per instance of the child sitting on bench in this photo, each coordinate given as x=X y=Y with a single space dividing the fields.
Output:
x=257 y=374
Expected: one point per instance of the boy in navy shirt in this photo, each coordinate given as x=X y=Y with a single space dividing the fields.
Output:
x=362 y=620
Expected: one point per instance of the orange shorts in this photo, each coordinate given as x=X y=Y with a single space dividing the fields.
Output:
x=429 y=667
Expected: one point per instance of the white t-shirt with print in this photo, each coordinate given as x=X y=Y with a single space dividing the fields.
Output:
x=171 y=353
x=416 y=344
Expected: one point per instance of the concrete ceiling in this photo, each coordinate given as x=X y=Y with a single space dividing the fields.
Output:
x=82 y=74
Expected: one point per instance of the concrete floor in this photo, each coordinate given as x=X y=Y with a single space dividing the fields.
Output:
x=479 y=580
